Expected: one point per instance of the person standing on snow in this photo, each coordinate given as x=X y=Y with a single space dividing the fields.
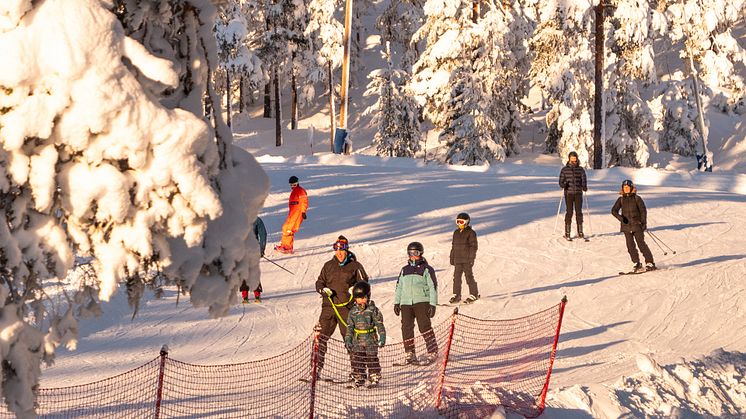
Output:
x=463 y=253
x=335 y=284
x=633 y=220
x=572 y=179
x=297 y=205
x=415 y=299
x=365 y=334
x=260 y=232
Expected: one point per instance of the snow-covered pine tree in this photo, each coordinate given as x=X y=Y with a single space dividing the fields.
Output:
x=324 y=54
x=395 y=113
x=239 y=66
x=105 y=154
x=676 y=118
x=629 y=126
x=563 y=68
x=397 y=25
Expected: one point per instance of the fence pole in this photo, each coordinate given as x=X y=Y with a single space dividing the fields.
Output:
x=442 y=378
x=314 y=367
x=551 y=357
x=159 y=392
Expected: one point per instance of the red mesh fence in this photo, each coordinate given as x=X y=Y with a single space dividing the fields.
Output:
x=476 y=365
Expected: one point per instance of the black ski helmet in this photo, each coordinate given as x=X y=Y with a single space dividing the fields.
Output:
x=293 y=179
x=628 y=182
x=361 y=289
x=416 y=246
x=463 y=216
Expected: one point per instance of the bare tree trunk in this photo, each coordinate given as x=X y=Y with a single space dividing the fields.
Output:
x=293 y=98
x=475 y=11
x=267 y=99
x=240 y=95
x=331 y=106
x=599 y=89
x=228 y=98
x=278 y=110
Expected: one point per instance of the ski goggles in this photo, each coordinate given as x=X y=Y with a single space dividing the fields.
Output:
x=460 y=222
x=340 y=246
x=414 y=252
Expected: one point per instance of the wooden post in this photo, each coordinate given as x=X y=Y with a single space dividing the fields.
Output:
x=278 y=110
x=343 y=110
x=331 y=106
x=598 y=111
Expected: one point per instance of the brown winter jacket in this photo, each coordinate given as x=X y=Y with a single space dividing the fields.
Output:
x=633 y=210
x=464 y=246
x=339 y=277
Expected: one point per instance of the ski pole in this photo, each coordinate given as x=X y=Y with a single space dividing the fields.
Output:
x=588 y=213
x=663 y=243
x=277 y=264
x=559 y=206
x=656 y=243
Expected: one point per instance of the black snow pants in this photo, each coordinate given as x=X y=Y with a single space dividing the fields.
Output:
x=417 y=312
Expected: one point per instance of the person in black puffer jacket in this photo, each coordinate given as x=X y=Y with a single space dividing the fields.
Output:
x=572 y=179
x=634 y=222
x=463 y=253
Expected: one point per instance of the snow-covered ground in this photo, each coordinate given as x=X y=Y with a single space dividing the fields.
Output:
x=614 y=327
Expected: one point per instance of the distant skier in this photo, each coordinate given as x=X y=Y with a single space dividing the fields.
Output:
x=463 y=253
x=335 y=285
x=260 y=232
x=572 y=179
x=633 y=220
x=365 y=334
x=297 y=206
x=415 y=299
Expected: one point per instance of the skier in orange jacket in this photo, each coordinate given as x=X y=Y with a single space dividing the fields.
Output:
x=297 y=204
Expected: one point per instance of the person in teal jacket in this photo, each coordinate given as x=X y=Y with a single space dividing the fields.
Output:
x=415 y=299
x=365 y=333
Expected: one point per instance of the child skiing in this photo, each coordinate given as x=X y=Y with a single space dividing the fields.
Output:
x=260 y=232
x=415 y=299
x=297 y=207
x=365 y=334
x=463 y=253
x=633 y=220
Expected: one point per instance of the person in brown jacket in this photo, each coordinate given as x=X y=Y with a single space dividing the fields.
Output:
x=335 y=282
x=634 y=222
x=463 y=253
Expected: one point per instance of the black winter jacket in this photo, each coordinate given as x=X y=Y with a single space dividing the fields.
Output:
x=464 y=246
x=633 y=210
x=572 y=179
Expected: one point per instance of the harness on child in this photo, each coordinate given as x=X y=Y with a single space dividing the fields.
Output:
x=364 y=331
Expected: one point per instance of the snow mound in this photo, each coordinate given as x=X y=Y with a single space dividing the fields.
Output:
x=712 y=386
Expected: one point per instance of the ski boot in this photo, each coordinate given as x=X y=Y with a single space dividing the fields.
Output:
x=455 y=299
x=650 y=266
x=410 y=358
x=580 y=231
x=373 y=380
x=245 y=300
x=471 y=298
x=429 y=358
x=638 y=268
x=567 y=232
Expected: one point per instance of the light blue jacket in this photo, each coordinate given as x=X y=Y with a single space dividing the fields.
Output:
x=416 y=284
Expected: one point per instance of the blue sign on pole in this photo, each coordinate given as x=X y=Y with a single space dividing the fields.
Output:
x=340 y=135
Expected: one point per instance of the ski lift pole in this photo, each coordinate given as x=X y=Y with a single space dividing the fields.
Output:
x=340 y=134
x=278 y=265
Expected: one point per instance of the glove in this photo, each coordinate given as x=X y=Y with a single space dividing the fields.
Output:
x=625 y=220
x=327 y=291
x=585 y=189
x=303 y=215
x=382 y=341
x=349 y=290
x=397 y=309
x=431 y=312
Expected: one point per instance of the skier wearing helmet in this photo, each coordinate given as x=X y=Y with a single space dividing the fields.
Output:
x=365 y=334
x=415 y=299
x=297 y=207
x=463 y=253
x=633 y=220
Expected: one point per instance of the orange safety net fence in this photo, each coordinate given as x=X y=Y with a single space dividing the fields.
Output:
x=475 y=366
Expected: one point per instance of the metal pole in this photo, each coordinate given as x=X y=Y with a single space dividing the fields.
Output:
x=343 y=110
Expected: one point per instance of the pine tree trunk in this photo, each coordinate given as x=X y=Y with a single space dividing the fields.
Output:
x=267 y=99
x=228 y=98
x=240 y=95
x=293 y=99
x=599 y=88
x=475 y=11
x=278 y=111
x=331 y=106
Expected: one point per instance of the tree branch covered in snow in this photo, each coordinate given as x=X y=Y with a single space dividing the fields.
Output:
x=105 y=154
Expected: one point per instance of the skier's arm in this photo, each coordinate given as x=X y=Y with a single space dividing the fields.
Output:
x=321 y=281
x=562 y=178
x=615 y=209
x=303 y=201
x=431 y=287
x=350 y=330
x=643 y=211
x=378 y=323
x=261 y=232
x=584 y=179
x=397 y=291
x=473 y=246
